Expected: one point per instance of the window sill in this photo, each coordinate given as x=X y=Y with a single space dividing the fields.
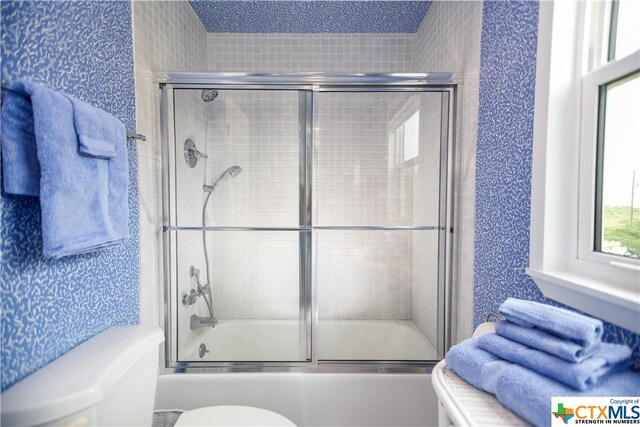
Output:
x=596 y=297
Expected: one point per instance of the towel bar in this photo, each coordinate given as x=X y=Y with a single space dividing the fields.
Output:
x=130 y=135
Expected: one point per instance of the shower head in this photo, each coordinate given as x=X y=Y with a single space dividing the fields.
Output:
x=209 y=95
x=233 y=171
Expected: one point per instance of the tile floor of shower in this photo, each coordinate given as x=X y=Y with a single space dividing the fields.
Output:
x=280 y=340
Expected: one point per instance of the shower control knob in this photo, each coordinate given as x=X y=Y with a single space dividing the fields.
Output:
x=191 y=153
x=203 y=350
x=190 y=298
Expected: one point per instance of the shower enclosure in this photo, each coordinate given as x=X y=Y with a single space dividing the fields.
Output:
x=307 y=220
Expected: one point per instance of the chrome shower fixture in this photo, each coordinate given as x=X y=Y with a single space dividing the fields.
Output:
x=191 y=153
x=196 y=321
x=209 y=95
x=233 y=171
x=190 y=298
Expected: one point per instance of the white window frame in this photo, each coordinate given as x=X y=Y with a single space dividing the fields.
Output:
x=588 y=259
x=562 y=260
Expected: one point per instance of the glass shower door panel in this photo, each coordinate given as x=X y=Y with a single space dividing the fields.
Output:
x=254 y=291
x=377 y=212
x=377 y=158
x=235 y=226
x=377 y=294
x=248 y=162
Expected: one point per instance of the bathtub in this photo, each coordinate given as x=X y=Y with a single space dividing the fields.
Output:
x=279 y=340
x=310 y=399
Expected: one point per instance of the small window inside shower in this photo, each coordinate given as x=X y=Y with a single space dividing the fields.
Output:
x=410 y=132
x=404 y=137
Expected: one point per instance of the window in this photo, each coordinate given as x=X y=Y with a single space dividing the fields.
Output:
x=624 y=38
x=617 y=204
x=411 y=130
x=585 y=200
x=611 y=131
x=404 y=138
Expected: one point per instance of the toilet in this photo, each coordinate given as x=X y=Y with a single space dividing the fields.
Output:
x=110 y=380
x=231 y=416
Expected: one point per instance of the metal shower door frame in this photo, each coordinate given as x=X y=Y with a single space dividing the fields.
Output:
x=308 y=84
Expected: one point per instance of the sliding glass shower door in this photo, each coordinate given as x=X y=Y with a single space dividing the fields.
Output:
x=377 y=199
x=235 y=226
x=306 y=222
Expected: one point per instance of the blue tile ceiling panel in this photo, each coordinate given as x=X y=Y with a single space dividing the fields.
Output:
x=278 y=16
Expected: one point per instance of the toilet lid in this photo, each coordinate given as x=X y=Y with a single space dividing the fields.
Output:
x=214 y=416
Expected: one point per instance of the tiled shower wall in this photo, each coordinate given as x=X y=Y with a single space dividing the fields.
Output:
x=360 y=275
x=254 y=274
x=293 y=53
x=425 y=195
x=362 y=178
x=167 y=36
x=441 y=44
x=258 y=131
x=377 y=290
x=332 y=53
x=172 y=39
x=449 y=40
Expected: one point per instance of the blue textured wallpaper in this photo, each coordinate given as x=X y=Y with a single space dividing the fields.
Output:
x=85 y=49
x=277 y=16
x=503 y=162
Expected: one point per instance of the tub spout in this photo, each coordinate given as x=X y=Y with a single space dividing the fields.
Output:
x=198 y=322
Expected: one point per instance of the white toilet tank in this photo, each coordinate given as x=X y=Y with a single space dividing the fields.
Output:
x=109 y=380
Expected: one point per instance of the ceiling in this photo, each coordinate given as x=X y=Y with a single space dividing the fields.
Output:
x=310 y=16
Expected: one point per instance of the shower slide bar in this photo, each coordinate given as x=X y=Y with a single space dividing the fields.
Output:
x=333 y=227
x=130 y=135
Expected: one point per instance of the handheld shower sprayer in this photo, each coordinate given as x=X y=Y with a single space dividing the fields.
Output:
x=204 y=290
x=233 y=171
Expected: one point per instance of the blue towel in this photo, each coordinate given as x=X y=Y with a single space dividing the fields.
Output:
x=467 y=360
x=584 y=330
x=522 y=390
x=20 y=166
x=541 y=340
x=99 y=133
x=84 y=200
x=606 y=359
x=529 y=394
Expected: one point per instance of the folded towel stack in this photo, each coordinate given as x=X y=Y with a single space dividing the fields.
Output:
x=542 y=351
x=73 y=156
x=583 y=330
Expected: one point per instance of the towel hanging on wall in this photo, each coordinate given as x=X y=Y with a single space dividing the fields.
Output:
x=72 y=155
x=130 y=134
